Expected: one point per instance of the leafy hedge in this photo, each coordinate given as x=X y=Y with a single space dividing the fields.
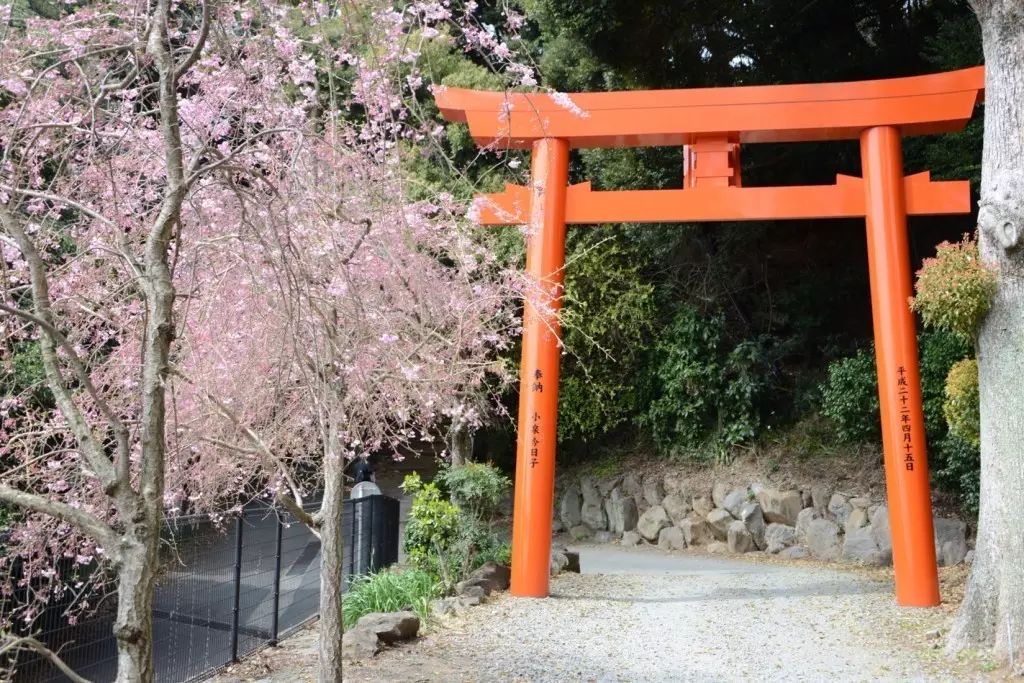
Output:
x=699 y=388
x=850 y=400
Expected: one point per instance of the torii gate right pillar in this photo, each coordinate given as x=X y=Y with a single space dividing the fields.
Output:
x=899 y=379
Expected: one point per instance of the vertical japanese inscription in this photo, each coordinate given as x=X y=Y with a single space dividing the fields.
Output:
x=906 y=438
x=534 y=430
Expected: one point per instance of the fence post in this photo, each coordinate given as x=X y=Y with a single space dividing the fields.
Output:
x=374 y=526
x=238 y=586
x=277 y=580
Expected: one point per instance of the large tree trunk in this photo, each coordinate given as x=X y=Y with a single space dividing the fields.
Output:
x=330 y=564
x=461 y=445
x=992 y=613
x=133 y=627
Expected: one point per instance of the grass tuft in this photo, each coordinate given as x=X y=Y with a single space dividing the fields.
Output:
x=389 y=591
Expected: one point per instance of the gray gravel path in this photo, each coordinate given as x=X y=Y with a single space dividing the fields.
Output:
x=641 y=615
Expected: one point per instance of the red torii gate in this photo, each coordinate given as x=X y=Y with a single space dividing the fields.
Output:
x=711 y=124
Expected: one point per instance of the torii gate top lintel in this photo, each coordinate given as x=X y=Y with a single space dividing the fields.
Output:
x=917 y=105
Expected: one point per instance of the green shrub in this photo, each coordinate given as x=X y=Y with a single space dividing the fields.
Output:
x=388 y=591
x=450 y=539
x=477 y=489
x=850 y=400
x=608 y=316
x=433 y=525
x=850 y=397
x=940 y=351
x=961 y=407
x=497 y=551
x=700 y=391
x=955 y=289
x=956 y=466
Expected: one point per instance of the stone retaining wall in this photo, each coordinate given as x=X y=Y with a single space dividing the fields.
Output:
x=672 y=513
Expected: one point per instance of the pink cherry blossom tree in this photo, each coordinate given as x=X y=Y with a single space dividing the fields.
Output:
x=360 y=319
x=94 y=176
x=207 y=233
x=366 y=321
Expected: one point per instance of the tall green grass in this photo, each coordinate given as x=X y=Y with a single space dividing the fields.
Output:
x=388 y=591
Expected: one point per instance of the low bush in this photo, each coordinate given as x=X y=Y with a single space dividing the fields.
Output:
x=954 y=289
x=850 y=397
x=940 y=352
x=450 y=528
x=477 y=489
x=962 y=404
x=497 y=551
x=434 y=524
x=850 y=394
x=388 y=591
x=956 y=467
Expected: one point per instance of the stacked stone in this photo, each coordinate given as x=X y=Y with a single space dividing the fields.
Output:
x=813 y=521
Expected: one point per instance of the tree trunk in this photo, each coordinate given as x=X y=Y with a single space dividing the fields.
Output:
x=330 y=565
x=992 y=613
x=461 y=446
x=133 y=627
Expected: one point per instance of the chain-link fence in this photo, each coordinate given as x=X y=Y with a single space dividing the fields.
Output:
x=224 y=590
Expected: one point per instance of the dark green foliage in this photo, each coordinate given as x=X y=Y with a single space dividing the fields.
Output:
x=850 y=395
x=25 y=373
x=939 y=352
x=700 y=389
x=609 y=318
x=850 y=399
x=956 y=467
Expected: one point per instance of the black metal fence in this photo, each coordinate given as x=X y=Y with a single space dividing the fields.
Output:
x=369 y=535
x=224 y=590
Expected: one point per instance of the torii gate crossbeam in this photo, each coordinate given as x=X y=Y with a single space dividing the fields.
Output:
x=712 y=123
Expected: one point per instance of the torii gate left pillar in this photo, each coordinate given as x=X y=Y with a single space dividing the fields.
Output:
x=538 y=387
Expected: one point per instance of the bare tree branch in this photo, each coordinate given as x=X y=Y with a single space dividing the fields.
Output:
x=49 y=341
x=91 y=525
x=197 y=49
x=12 y=644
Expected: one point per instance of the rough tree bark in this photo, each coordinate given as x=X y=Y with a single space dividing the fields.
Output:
x=461 y=446
x=992 y=613
x=330 y=562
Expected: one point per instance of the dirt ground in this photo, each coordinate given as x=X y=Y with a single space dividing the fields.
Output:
x=476 y=645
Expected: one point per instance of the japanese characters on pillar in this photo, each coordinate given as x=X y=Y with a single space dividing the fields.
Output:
x=534 y=431
x=906 y=421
